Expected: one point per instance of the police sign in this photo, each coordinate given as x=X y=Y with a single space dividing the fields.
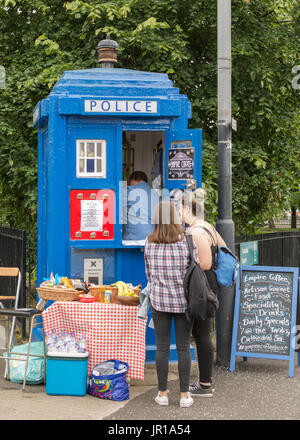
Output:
x=119 y=106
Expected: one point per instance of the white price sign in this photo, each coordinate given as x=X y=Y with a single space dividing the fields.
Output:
x=91 y=215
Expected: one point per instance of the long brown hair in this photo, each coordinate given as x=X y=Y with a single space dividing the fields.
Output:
x=167 y=224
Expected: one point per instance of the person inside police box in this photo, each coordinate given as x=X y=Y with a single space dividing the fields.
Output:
x=140 y=205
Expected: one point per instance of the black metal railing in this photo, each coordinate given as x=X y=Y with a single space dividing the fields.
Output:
x=13 y=254
x=275 y=248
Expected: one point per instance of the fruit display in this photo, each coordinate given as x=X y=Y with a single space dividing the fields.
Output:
x=125 y=289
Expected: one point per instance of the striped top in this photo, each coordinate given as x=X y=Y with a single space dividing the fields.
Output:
x=166 y=265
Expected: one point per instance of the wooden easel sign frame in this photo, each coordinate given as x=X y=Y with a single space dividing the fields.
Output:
x=264 y=323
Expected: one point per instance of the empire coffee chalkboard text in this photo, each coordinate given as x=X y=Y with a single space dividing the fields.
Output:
x=265 y=314
x=264 y=324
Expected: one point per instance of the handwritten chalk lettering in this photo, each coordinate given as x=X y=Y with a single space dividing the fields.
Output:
x=278 y=338
x=259 y=305
x=262 y=348
x=282 y=331
x=280 y=289
x=119 y=106
x=273 y=321
x=260 y=296
x=253 y=321
x=277 y=312
x=259 y=331
x=254 y=289
x=279 y=278
x=255 y=277
x=247 y=331
x=256 y=338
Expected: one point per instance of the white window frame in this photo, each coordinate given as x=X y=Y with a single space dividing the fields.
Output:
x=94 y=174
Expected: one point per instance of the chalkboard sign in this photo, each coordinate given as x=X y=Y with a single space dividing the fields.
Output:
x=265 y=313
x=181 y=163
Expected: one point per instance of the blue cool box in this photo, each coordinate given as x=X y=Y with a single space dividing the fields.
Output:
x=66 y=374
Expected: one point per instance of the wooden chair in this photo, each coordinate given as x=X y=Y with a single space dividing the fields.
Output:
x=14 y=313
x=11 y=272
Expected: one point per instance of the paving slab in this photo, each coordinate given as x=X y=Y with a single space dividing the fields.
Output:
x=36 y=404
x=259 y=389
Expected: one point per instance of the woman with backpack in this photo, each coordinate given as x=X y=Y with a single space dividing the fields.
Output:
x=207 y=240
x=166 y=261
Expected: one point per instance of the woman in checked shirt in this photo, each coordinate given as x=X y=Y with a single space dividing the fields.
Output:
x=166 y=261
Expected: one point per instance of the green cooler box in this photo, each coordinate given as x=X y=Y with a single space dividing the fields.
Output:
x=66 y=373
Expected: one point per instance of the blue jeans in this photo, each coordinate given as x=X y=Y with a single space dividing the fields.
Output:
x=162 y=324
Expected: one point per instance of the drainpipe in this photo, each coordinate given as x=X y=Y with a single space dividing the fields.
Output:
x=225 y=225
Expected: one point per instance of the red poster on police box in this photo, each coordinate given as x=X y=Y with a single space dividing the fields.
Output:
x=92 y=214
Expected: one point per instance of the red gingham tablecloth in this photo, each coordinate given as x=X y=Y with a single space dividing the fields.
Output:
x=113 y=331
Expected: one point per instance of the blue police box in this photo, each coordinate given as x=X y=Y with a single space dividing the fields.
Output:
x=95 y=127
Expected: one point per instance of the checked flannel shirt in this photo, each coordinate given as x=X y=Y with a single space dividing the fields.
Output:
x=166 y=264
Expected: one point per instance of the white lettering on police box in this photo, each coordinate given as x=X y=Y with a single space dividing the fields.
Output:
x=114 y=106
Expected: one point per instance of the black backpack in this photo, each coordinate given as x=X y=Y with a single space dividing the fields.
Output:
x=202 y=301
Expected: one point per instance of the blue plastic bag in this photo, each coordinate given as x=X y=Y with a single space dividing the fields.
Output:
x=35 y=370
x=112 y=385
x=227 y=267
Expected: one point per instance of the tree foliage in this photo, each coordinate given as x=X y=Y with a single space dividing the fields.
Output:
x=42 y=39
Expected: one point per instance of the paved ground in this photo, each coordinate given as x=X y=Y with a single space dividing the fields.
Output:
x=259 y=390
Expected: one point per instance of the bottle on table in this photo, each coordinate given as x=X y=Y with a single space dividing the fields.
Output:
x=60 y=344
x=54 y=335
x=49 y=342
x=64 y=336
x=82 y=344
x=71 y=344
x=107 y=296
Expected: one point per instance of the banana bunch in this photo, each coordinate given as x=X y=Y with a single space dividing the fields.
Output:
x=124 y=289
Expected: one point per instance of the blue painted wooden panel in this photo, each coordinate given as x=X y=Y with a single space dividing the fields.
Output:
x=61 y=119
x=195 y=136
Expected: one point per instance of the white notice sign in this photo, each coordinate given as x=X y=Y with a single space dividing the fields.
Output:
x=91 y=215
x=93 y=270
